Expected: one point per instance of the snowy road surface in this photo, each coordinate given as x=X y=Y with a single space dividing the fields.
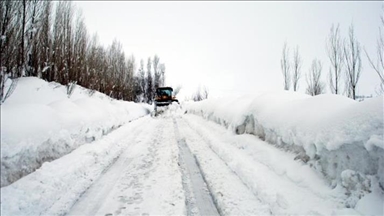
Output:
x=88 y=154
x=186 y=165
x=174 y=164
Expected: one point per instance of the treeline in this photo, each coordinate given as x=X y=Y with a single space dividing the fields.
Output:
x=345 y=58
x=49 y=40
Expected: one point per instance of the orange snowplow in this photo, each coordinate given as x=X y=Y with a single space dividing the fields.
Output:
x=164 y=96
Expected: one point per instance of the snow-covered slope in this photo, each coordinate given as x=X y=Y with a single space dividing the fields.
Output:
x=41 y=122
x=339 y=137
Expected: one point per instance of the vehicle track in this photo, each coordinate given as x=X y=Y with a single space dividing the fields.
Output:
x=181 y=165
x=231 y=196
x=199 y=199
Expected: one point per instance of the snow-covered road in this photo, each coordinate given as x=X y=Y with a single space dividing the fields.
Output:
x=156 y=175
x=145 y=179
x=87 y=154
x=174 y=164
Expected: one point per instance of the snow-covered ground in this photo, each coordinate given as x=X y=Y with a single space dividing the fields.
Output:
x=340 y=138
x=302 y=161
x=41 y=122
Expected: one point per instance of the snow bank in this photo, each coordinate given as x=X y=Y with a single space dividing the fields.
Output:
x=54 y=187
x=40 y=122
x=329 y=132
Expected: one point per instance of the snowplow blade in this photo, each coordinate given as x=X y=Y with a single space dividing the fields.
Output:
x=163 y=103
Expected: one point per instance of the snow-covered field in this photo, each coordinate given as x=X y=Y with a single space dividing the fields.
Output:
x=340 y=138
x=278 y=154
x=40 y=122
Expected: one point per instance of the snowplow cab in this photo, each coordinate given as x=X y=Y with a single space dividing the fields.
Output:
x=164 y=96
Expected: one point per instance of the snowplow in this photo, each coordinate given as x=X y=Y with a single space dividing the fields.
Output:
x=164 y=97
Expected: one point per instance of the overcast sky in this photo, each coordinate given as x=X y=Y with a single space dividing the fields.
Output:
x=233 y=47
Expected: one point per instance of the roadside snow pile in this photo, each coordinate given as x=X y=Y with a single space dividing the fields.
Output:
x=40 y=122
x=54 y=187
x=339 y=137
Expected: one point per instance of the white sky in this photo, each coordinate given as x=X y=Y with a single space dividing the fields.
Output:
x=233 y=47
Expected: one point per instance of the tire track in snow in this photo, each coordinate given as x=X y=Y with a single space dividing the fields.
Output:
x=199 y=199
x=230 y=195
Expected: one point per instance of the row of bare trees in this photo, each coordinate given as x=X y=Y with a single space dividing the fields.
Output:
x=49 y=40
x=144 y=84
x=344 y=55
x=345 y=65
x=201 y=93
x=291 y=70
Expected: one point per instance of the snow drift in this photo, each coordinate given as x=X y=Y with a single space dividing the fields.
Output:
x=41 y=122
x=339 y=137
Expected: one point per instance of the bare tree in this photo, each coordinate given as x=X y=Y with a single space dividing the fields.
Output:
x=149 y=91
x=129 y=80
x=352 y=62
x=201 y=94
x=162 y=74
x=297 y=63
x=379 y=66
x=61 y=50
x=315 y=86
x=156 y=73
x=91 y=63
x=117 y=70
x=285 y=67
x=9 y=52
x=69 y=72
x=8 y=23
x=79 y=51
x=205 y=92
x=21 y=37
x=336 y=56
x=45 y=43
x=101 y=69
x=141 y=74
x=33 y=50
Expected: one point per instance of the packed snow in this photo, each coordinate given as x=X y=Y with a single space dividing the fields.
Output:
x=41 y=122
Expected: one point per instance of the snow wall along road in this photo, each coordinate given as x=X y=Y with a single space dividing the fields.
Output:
x=41 y=122
x=337 y=136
